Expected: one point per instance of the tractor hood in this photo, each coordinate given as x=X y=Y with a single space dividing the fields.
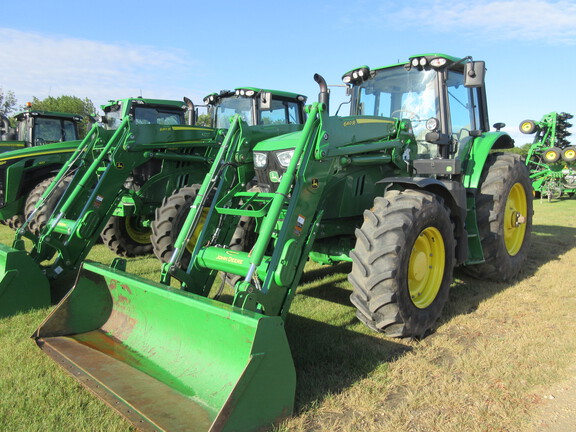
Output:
x=68 y=146
x=282 y=142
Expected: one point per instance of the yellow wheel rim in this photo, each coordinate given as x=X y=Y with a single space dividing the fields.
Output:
x=137 y=232
x=550 y=155
x=515 y=219
x=426 y=267
x=570 y=154
x=194 y=238
x=526 y=127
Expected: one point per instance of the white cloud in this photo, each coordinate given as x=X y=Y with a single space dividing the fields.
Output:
x=41 y=65
x=530 y=20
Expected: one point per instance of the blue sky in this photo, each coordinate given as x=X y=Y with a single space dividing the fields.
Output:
x=171 y=49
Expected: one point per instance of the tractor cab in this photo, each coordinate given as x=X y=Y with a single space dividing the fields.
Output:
x=255 y=106
x=144 y=111
x=34 y=128
x=440 y=99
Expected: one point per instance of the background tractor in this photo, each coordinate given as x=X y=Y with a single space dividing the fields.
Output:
x=551 y=156
x=112 y=184
x=26 y=173
x=36 y=128
x=406 y=187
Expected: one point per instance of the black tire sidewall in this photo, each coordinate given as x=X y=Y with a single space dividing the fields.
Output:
x=499 y=265
x=418 y=320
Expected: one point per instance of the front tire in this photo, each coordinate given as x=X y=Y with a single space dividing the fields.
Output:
x=14 y=223
x=504 y=216
x=402 y=263
x=126 y=237
x=42 y=216
x=170 y=217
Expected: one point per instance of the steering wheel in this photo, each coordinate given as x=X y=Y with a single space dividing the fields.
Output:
x=413 y=115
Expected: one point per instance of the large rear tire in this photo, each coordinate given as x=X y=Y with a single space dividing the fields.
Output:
x=403 y=262
x=127 y=237
x=43 y=214
x=504 y=215
x=170 y=217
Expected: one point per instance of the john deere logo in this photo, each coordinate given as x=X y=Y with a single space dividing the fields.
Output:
x=120 y=165
x=315 y=183
x=274 y=177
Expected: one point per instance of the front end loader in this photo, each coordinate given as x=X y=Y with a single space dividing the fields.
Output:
x=406 y=187
x=25 y=173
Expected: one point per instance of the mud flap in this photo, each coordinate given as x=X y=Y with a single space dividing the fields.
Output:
x=170 y=360
x=23 y=286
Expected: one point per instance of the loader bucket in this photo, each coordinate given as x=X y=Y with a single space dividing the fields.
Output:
x=170 y=360
x=23 y=286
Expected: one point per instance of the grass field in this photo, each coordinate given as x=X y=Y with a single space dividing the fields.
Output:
x=495 y=348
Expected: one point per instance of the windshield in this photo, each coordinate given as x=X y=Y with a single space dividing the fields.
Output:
x=227 y=107
x=396 y=92
x=280 y=112
x=145 y=114
x=158 y=115
x=50 y=130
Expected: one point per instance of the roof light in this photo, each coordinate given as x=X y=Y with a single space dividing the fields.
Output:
x=250 y=92
x=356 y=76
x=423 y=61
x=415 y=62
x=438 y=62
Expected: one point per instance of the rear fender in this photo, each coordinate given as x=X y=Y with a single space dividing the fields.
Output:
x=454 y=196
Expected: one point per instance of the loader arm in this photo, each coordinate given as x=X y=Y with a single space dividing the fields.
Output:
x=101 y=166
x=288 y=218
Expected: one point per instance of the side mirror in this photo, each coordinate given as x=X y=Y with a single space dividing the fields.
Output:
x=265 y=100
x=474 y=74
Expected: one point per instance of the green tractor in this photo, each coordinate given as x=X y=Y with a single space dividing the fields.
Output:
x=112 y=184
x=407 y=187
x=37 y=128
x=26 y=173
x=550 y=158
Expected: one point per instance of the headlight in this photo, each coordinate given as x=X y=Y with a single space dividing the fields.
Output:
x=432 y=124
x=285 y=157
x=260 y=160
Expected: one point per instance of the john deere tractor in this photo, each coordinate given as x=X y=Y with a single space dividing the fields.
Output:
x=113 y=183
x=551 y=156
x=26 y=173
x=406 y=187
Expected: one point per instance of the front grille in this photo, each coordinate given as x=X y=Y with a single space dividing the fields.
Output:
x=264 y=174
